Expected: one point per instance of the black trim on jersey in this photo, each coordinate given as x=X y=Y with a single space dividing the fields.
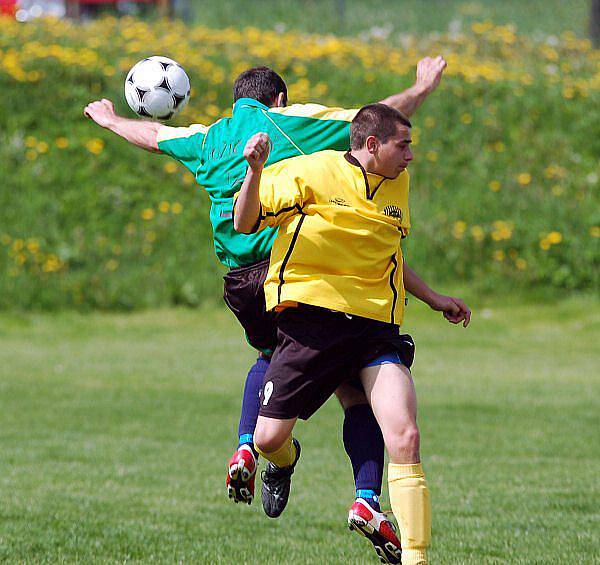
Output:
x=377 y=187
x=288 y=255
x=394 y=291
x=262 y=216
x=275 y=214
x=354 y=161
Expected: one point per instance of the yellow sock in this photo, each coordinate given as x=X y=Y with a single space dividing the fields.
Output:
x=284 y=456
x=409 y=497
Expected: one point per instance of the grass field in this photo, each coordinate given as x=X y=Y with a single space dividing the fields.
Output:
x=115 y=430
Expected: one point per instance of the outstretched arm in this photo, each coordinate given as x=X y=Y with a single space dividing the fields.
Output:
x=454 y=309
x=429 y=74
x=247 y=205
x=139 y=132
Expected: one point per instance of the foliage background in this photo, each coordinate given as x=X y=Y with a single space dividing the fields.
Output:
x=504 y=184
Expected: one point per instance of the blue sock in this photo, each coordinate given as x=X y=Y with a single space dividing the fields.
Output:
x=364 y=445
x=370 y=496
x=250 y=401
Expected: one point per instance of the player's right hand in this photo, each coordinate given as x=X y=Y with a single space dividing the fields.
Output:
x=101 y=111
x=257 y=151
x=429 y=72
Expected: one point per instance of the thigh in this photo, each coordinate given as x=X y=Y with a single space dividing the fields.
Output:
x=244 y=295
x=391 y=393
x=313 y=356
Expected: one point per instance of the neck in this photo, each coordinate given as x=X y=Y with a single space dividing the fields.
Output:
x=366 y=160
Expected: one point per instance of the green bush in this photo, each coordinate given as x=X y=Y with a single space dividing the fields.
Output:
x=504 y=182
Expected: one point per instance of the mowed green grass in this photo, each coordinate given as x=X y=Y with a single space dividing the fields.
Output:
x=115 y=431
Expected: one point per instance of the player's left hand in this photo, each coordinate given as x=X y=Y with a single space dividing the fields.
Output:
x=454 y=309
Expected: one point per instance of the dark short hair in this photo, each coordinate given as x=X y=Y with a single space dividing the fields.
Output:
x=379 y=120
x=261 y=83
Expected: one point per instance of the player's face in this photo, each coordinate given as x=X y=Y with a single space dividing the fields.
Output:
x=394 y=155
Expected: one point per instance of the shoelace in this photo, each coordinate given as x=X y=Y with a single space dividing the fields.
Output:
x=274 y=477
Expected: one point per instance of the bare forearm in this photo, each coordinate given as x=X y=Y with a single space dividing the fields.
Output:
x=139 y=132
x=247 y=206
x=409 y=100
x=416 y=286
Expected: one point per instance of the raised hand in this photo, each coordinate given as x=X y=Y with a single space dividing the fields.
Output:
x=429 y=72
x=257 y=151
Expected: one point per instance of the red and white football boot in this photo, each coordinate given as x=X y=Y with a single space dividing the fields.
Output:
x=240 y=475
x=375 y=526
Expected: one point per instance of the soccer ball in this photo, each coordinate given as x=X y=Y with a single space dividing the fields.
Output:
x=157 y=88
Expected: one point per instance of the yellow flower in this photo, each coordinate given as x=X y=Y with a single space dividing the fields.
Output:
x=42 y=147
x=30 y=141
x=557 y=190
x=18 y=244
x=151 y=236
x=429 y=121
x=61 y=142
x=20 y=258
x=116 y=249
x=31 y=154
x=499 y=146
x=544 y=244
x=498 y=255
x=164 y=206
x=477 y=233
x=95 y=146
x=147 y=214
x=554 y=237
x=523 y=179
x=176 y=208
x=521 y=264
x=458 y=229
x=495 y=185
x=431 y=156
x=112 y=265
x=170 y=167
x=466 y=118
x=5 y=239
x=32 y=245
x=188 y=179
x=595 y=231
x=568 y=92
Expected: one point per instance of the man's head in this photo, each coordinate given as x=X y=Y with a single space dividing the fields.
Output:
x=380 y=137
x=262 y=84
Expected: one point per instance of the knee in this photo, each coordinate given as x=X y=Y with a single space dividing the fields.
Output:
x=404 y=443
x=266 y=441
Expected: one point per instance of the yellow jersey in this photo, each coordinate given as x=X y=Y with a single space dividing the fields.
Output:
x=340 y=228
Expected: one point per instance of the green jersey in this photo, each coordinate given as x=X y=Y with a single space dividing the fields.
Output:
x=215 y=155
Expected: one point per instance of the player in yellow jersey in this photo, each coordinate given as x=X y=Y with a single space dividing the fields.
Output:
x=337 y=279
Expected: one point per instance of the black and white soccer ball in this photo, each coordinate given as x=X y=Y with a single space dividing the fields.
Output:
x=157 y=87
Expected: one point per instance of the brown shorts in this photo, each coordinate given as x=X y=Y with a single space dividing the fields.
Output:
x=317 y=350
x=244 y=294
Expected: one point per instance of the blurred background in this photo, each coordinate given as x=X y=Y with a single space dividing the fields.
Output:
x=121 y=371
x=506 y=171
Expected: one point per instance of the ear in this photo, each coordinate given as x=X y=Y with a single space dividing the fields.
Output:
x=279 y=100
x=372 y=144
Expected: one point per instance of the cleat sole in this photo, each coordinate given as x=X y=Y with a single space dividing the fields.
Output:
x=386 y=554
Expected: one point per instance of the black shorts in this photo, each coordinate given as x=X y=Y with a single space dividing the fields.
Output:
x=244 y=294
x=317 y=350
